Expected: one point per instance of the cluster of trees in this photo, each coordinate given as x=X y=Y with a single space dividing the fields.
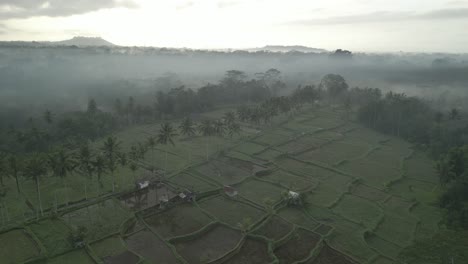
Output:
x=62 y=162
x=453 y=173
x=70 y=129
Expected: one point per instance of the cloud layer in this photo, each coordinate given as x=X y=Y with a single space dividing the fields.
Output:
x=56 y=8
x=386 y=16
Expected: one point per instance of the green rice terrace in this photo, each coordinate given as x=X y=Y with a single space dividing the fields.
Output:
x=363 y=198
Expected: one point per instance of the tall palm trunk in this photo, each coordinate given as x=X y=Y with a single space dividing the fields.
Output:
x=113 y=180
x=39 y=195
x=206 y=148
x=17 y=183
x=64 y=183
x=165 y=164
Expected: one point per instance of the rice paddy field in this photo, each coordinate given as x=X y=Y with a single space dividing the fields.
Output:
x=366 y=196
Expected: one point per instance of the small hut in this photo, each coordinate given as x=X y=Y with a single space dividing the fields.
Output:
x=230 y=191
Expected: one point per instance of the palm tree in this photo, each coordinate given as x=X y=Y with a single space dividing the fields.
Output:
x=84 y=160
x=61 y=164
x=233 y=128
x=187 y=127
x=48 y=117
x=206 y=129
x=133 y=168
x=219 y=128
x=142 y=149
x=152 y=145
x=35 y=169
x=454 y=114
x=14 y=166
x=229 y=117
x=111 y=150
x=3 y=167
x=243 y=113
x=99 y=166
x=166 y=135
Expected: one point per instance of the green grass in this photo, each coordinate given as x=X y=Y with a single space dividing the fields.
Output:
x=108 y=247
x=271 y=138
x=289 y=181
x=187 y=181
x=396 y=229
x=335 y=152
x=178 y=221
x=349 y=239
x=53 y=234
x=305 y=169
x=231 y=211
x=429 y=217
x=302 y=143
x=259 y=192
x=221 y=172
x=74 y=257
x=17 y=246
x=249 y=148
x=329 y=190
x=274 y=228
x=372 y=173
x=445 y=247
x=366 y=135
x=269 y=154
x=384 y=247
x=100 y=219
x=298 y=217
x=414 y=189
x=420 y=167
x=358 y=210
x=369 y=193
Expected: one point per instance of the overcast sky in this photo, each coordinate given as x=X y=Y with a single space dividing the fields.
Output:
x=358 y=25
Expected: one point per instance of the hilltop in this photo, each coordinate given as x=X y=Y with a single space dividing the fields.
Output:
x=83 y=41
x=279 y=48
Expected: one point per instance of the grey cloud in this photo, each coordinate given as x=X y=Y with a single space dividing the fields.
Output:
x=226 y=4
x=446 y=14
x=56 y=8
x=384 y=16
x=186 y=5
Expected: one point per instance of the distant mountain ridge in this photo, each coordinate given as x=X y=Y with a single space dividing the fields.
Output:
x=76 y=41
x=83 y=41
x=279 y=48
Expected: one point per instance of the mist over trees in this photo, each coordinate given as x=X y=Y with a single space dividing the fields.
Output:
x=65 y=78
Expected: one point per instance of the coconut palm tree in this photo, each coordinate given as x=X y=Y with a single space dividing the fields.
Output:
x=152 y=144
x=187 y=127
x=166 y=135
x=3 y=167
x=99 y=166
x=206 y=129
x=233 y=129
x=454 y=114
x=85 y=164
x=133 y=168
x=229 y=117
x=14 y=167
x=219 y=128
x=48 y=117
x=243 y=113
x=61 y=164
x=84 y=160
x=35 y=168
x=111 y=151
